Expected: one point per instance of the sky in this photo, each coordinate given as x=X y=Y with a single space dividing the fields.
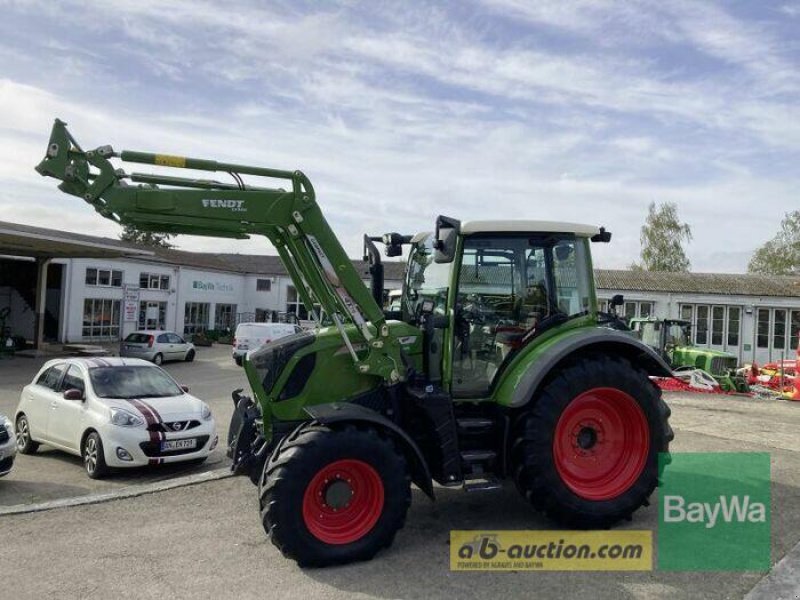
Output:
x=581 y=111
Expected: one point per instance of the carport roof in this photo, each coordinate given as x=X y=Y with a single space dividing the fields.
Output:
x=37 y=242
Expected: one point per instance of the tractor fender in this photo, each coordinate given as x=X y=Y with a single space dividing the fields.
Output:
x=599 y=340
x=337 y=412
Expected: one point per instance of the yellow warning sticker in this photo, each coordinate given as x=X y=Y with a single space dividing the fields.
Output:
x=167 y=160
x=551 y=550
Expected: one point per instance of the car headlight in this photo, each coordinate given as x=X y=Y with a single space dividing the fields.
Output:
x=5 y=422
x=123 y=418
x=205 y=413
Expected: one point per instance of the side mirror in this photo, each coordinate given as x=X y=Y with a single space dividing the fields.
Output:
x=447 y=231
x=73 y=394
x=185 y=388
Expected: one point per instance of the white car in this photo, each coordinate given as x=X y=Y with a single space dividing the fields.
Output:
x=157 y=346
x=113 y=412
x=251 y=336
x=8 y=449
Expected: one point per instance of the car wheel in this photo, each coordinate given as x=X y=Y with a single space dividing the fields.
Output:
x=94 y=461
x=25 y=444
x=238 y=360
x=189 y=356
x=158 y=359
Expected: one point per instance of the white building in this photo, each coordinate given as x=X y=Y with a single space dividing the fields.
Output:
x=755 y=317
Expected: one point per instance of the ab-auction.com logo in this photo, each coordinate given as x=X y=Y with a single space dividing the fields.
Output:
x=551 y=550
x=714 y=512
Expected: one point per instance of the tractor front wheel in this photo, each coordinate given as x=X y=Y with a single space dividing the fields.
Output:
x=587 y=452
x=333 y=496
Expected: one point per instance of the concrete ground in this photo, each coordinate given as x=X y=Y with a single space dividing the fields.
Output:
x=206 y=540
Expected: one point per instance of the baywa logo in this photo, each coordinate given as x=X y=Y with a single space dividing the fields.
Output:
x=233 y=205
x=714 y=512
x=729 y=508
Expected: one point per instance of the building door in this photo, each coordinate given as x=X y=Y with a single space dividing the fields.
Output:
x=776 y=334
x=152 y=315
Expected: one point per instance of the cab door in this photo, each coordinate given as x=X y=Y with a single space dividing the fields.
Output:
x=66 y=416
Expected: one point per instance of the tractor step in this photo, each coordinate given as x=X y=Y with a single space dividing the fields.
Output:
x=477 y=456
x=482 y=485
x=474 y=425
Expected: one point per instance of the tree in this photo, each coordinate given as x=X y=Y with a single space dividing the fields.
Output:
x=662 y=237
x=781 y=254
x=145 y=238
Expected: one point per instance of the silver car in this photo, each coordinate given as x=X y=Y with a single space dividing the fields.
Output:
x=157 y=346
x=8 y=446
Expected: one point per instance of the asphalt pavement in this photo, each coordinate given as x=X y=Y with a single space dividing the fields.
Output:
x=206 y=540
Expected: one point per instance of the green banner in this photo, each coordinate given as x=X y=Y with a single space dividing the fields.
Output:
x=714 y=512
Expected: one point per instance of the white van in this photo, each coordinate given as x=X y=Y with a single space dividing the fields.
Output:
x=250 y=336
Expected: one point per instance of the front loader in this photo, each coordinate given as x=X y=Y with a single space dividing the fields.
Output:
x=496 y=365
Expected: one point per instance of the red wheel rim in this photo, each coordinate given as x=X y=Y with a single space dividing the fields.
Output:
x=343 y=501
x=601 y=443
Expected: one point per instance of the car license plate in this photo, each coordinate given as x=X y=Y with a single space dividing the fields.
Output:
x=171 y=445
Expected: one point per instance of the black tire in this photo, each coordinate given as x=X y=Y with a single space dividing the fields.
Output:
x=22 y=433
x=158 y=359
x=189 y=356
x=538 y=465
x=238 y=360
x=311 y=451
x=94 y=461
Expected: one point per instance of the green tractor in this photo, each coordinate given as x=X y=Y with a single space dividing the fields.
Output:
x=495 y=366
x=671 y=338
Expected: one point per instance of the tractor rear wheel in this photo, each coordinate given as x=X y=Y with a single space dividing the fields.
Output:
x=333 y=496
x=586 y=453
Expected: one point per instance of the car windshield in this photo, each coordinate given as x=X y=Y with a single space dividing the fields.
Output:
x=132 y=382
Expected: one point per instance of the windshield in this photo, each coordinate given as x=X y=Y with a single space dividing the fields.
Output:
x=426 y=280
x=132 y=382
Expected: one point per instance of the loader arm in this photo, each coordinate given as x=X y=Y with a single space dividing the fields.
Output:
x=290 y=218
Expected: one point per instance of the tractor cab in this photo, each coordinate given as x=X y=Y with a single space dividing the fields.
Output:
x=503 y=284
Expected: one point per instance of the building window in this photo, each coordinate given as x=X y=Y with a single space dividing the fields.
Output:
x=762 y=328
x=152 y=315
x=701 y=327
x=295 y=306
x=103 y=277
x=734 y=321
x=687 y=312
x=195 y=317
x=101 y=318
x=779 y=329
x=153 y=281
x=225 y=316
x=717 y=325
x=263 y=285
x=633 y=309
x=794 y=330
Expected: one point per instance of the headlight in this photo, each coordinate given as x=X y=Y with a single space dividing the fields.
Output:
x=123 y=418
x=4 y=422
x=206 y=413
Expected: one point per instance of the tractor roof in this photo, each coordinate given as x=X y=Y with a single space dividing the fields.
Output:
x=513 y=226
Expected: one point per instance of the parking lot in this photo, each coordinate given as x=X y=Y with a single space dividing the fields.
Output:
x=206 y=540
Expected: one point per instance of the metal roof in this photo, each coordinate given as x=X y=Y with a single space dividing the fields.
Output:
x=726 y=284
x=37 y=242
x=513 y=226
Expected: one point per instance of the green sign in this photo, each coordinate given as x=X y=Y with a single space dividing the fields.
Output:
x=714 y=512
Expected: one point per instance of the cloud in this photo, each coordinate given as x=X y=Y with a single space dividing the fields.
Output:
x=565 y=111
